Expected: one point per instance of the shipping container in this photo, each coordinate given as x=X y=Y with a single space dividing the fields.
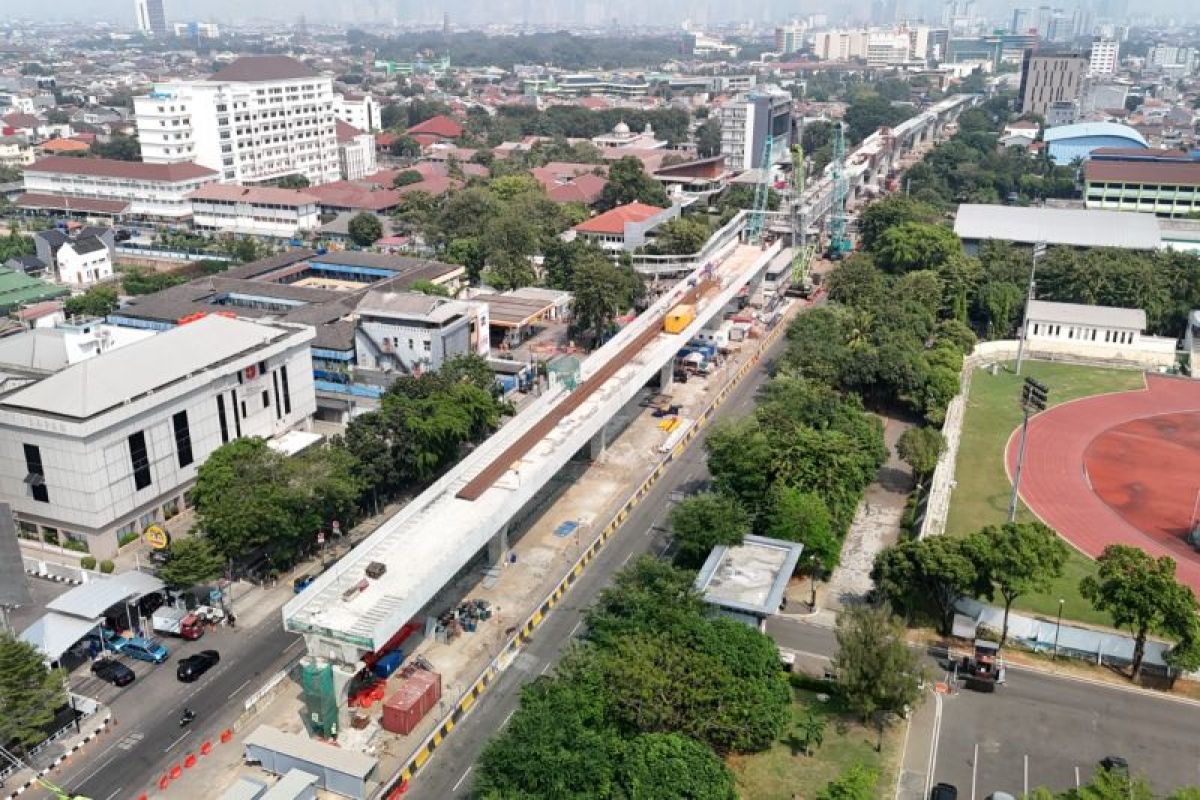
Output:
x=415 y=698
x=678 y=318
x=388 y=663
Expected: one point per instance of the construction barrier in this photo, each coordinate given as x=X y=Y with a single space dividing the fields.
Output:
x=226 y=735
x=175 y=772
x=206 y=748
x=190 y=761
x=491 y=672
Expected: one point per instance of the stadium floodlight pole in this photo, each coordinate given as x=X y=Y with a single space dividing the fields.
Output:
x=1039 y=249
x=1033 y=400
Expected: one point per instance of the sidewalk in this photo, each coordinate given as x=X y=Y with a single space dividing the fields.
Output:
x=55 y=754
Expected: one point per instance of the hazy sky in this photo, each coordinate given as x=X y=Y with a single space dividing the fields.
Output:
x=464 y=12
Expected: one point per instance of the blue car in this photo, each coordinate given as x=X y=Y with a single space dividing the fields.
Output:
x=146 y=650
x=106 y=639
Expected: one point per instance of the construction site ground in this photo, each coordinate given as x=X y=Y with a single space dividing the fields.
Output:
x=587 y=492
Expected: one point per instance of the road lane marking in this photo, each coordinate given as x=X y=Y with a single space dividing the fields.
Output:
x=239 y=688
x=934 y=743
x=1076 y=776
x=114 y=794
x=974 y=769
x=177 y=741
x=96 y=771
x=577 y=627
x=293 y=645
x=463 y=778
x=1026 y=792
x=506 y=719
x=626 y=561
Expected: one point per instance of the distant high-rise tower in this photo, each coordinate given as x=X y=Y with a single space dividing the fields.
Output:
x=1021 y=19
x=151 y=18
x=445 y=22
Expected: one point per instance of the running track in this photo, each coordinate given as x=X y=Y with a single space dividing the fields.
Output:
x=1065 y=439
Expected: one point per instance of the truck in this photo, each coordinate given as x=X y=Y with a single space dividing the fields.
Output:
x=177 y=622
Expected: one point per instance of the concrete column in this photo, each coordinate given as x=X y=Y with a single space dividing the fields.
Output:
x=498 y=547
x=666 y=376
x=599 y=443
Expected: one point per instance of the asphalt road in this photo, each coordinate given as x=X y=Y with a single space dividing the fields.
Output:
x=1042 y=730
x=148 y=739
x=448 y=773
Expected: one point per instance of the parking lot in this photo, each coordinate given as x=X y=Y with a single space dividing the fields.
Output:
x=1047 y=731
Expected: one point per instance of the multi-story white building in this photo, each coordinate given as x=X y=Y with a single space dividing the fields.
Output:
x=197 y=30
x=83 y=262
x=408 y=332
x=15 y=151
x=359 y=110
x=254 y=211
x=108 y=445
x=155 y=191
x=748 y=119
x=356 y=152
x=258 y=119
x=1104 y=58
x=789 y=38
x=151 y=17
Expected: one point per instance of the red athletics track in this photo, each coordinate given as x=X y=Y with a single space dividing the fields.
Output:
x=1119 y=468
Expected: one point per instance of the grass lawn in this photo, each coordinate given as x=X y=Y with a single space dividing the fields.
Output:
x=982 y=492
x=781 y=773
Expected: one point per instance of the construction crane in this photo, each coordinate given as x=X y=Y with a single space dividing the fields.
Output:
x=762 y=194
x=839 y=237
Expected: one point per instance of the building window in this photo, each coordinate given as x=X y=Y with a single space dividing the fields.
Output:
x=278 y=407
x=243 y=409
x=266 y=398
x=221 y=418
x=140 y=459
x=36 y=473
x=237 y=421
x=183 y=438
x=287 y=395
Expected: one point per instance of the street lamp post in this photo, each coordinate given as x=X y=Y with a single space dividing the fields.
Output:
x=1058 y=626
x=812 y=574
x=1033 y=400
x=1039 y=249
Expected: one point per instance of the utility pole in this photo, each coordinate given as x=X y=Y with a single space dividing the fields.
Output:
x=1033 y=400
x=1039 y=250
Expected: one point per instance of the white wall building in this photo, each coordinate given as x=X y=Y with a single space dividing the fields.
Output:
x=1104 y=58
x=15 y=151
x=356 y=152
x=158 y=191
x=746 y=121
x=1096 y=332
x=258 y=119
x=84 y=262
x=408 y=332
x=109 y=445
x=359 y=110
x=254 y=211
x=202 y=30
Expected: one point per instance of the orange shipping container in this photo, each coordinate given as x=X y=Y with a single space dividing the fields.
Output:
x=415 y=698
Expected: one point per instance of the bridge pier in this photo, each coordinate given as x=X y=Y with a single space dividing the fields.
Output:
x=498 y=547
x=599 y=443
x=666 y=376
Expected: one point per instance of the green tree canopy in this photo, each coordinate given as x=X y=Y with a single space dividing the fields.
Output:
x=193 y=561
x=365 y=229
x=856 y=783
x=1141 y=594
x=703 y=521
x=680 y=236
x=920 y=448
x=628 y=183
x=797 y=516
x=658 y=765
x=1017 y=559
x=876 y=670
x=912 y=246
x=602 y=292
x=406 y=178
x=29 y=693
x=895 y=209
x=925 y=578
x=98 y=301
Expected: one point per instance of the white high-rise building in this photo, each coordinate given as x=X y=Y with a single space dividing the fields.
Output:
x=151 y=17
x=359 y=110
x=1105 y=57
x=258 y=119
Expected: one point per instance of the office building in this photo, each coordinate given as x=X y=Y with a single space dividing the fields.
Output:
x=359 y=110
x=1022 y=20
x=258 y=119
x=194 y=31
x=1168 y=188
x=1172 y=59
x=1050 y=78
x=104 y=441
x=151 y=17
x=356 y=152
x=747 y=121
x=103 y=186
x=408 y=333
x=1104 y=57
x=789 y=38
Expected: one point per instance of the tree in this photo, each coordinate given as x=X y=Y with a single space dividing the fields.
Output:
x=927 y=577
x=405 y=146
x=877 y=672
x=294 y=181
x=365 y=229
x=1141 y=593
x=809 y=730
x=192 y=562
x=1113 y=784
x=602 y=291
x=867 y=114
x=703 y=521
x=916 y=246
x=647 y=595
x=797 y=516
x=856 y=783
x=887 y=212
x=658 y=765
x=406 y=178
x=1017 y=558
x=920 y=448
x=738 y=457
x=628 y=183
x=708 y=138
x=242 y=499
x=681 y=236
x=29 y=693
x=98 y=301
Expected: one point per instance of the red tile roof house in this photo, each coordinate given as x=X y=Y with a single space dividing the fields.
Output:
x=440 y=128
x=109 y=186
x=624 y=228
x=565 y=182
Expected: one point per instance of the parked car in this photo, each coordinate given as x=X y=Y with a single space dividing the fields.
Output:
x=193 y=667
x=1115 y=764
x=106 y=639
x=113 y=672
x=146 y=650
x=301 y=583
x=944 y=791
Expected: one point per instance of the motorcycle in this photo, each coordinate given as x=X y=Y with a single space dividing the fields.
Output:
x=186 y=718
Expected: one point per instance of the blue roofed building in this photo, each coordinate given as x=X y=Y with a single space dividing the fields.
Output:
x=1065 y=143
